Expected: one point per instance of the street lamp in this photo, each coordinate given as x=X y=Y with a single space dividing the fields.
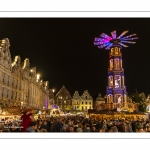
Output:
x=38 y=77
x=21 y=104
x=53 y=90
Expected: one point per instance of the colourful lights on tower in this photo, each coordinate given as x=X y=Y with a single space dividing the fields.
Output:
x=106 y=41
x=116 y=89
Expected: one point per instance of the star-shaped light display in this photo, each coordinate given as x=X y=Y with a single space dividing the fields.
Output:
x=107 y=42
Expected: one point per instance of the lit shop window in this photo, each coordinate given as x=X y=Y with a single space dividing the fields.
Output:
x=117 y=81
x=116 y=63
x=111 y=64
x=110 y=98
x=110 y=80
x=119 y=98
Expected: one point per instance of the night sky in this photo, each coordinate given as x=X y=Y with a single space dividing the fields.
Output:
x=63 y=52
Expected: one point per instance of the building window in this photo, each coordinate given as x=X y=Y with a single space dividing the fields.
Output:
x=90 y=103
x=111 y=64
x=117 y=81
x=86 y=103
x=118 y=98
x=82 y=103
x=90 y=107
x=110 y=100
x=110 y=80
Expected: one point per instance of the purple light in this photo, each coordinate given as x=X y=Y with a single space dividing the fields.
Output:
x=109 y=46
x=46 y=105
x=106 y=36
x=107 y=41
x=113 y=34
x=54 y=107
x=104 y=45
x=122 y=44
x=99 y=39
x=126 y=37
x=128 y=42
x=129 y=38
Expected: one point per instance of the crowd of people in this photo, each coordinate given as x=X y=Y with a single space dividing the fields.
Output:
x=73 y=124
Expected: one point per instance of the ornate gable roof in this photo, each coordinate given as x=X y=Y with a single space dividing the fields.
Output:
x=86 y=95
x=5 y=56
x=17 y=62
x=26 y=64
x=63 y=92
x=76 y=95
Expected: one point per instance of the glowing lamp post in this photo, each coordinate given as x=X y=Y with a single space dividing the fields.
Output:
x=38 y=77
x=21 y=105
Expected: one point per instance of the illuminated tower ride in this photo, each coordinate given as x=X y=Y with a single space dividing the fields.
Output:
x=116 y=90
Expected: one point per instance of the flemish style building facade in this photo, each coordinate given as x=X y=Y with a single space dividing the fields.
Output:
x=87 y=101
x=19 y=84
x=76 y=101
x=82 y=103
x=63 y=99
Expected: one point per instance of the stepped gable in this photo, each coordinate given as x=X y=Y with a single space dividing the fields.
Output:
x=76 y=95
x=86 y=95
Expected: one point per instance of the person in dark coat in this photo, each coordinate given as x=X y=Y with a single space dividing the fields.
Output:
x=98 y=125
x=59 y=125
x=26 y=120
x=54 y=126
x=32 y=127
x=121 y=127
x=45 y=126
x=64 y=129
x=93 y=129
x=75 y=126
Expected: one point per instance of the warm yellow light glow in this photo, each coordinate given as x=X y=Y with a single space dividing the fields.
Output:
x=3 y=113
x=53 y=90
x=31 y=70
x=38 y=76
x=21 y=103
x=46 y=83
